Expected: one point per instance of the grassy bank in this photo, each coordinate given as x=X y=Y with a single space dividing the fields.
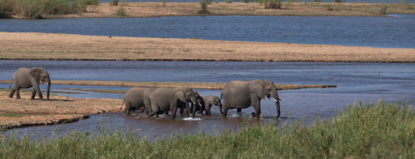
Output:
x=79 y=9
x=382 y=130
x=40 y=8
x=195 y=85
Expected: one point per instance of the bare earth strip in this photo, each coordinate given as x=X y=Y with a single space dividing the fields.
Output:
x=58 y=109
x=44 y=46
x=156 y=9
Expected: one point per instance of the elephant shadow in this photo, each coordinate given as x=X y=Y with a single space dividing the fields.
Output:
x=62 y=100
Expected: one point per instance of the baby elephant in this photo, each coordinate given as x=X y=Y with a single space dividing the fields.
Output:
x=137 y=97
x=207 y=102
x=26 y=78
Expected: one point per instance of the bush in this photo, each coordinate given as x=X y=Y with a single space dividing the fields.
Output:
x=121 y=11
x=114 y=3
x=273 y=4
x=203 y=6
x=383 y=10
x=337 y=1
x=316 y=0
x=228 y=1
x=92 y=2
x=245 y=1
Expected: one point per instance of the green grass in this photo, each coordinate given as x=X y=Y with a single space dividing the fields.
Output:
x=203 y=7
x=383 y=9
x=381 y=130
x=39 y=8
x=121 y=11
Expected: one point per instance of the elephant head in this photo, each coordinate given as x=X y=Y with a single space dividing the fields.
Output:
x=186 y=95
x=217 y=102
x=41 y=75
x=264 y=88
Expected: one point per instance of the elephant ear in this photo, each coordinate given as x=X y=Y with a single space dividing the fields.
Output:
x=180 y=95
x=36 y=72
x=259 y=91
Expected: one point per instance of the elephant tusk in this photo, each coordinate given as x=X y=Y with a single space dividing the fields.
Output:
x=274 y=99
x=47 y=84
x=281 y=100
x=194 y=102
x=200 y=104
x=277 y=100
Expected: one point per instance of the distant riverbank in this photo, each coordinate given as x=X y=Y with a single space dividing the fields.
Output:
x=159 y=9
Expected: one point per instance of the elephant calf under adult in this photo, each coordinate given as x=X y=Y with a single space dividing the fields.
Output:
x=206 y=103
x=26 y=78
x=169 y=99
x=241 y=94
x=137 y=97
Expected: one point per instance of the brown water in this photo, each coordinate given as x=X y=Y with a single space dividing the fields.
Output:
x=364 y=82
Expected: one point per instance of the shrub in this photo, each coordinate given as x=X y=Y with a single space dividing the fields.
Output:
x=316 y=0
x=273 y=4
x=121 y=11
x=228 y=1
x=337 y=1
x=203 y=6
x=114 y=2
x=164 y=3
x=245 y=1
x=92 y=2
x=383 y=10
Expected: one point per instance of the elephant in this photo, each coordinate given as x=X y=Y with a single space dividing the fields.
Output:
x=169 y=99
x=206 y=102
x=26 y=78
x=136 y=98
x=242 y=94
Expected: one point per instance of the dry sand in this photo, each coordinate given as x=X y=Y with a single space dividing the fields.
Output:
x=58 y=109
x=44 y=46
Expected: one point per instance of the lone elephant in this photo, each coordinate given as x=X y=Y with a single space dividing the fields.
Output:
x=169 y=99
x=26 y=78
x=136 y=98
x=242 y=94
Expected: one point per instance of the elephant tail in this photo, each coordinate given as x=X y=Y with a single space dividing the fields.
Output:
x=10 y=87
x=122 y=104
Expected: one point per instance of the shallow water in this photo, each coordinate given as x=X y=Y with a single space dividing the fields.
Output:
x=356 y=81
x=381 y=32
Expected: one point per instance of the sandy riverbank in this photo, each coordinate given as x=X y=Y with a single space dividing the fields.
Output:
x=44 y=46
x=157 y=9
x=58 y=109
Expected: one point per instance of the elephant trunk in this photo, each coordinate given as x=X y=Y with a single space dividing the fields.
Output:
x=277 y=104
x=48 y=83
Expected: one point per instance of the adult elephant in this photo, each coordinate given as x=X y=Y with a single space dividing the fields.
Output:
x=26 y=78
x=136 y=98
x=206 y=103
x=242 y=94
x=169 y=99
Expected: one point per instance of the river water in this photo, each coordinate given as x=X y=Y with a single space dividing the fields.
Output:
x=364 y=82
x=382 y=32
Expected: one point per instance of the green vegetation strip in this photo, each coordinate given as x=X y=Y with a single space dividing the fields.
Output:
x=195 y=85
x=382 y=130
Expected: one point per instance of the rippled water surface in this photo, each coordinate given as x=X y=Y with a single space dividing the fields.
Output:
x=356 y=82
x=383 y=32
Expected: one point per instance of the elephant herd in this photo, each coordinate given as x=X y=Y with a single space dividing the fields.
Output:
x=235 y=95
x=153 y=102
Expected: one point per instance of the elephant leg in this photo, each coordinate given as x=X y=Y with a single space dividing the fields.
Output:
x=258 y=110
x=33 y=94
x=208 y=112
x=239 y=110
x=127 y=108
x=173 y=112
x=37 y=88
x=12 y=93
x=154 y=110
x=225 y=112
x=18 y=93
